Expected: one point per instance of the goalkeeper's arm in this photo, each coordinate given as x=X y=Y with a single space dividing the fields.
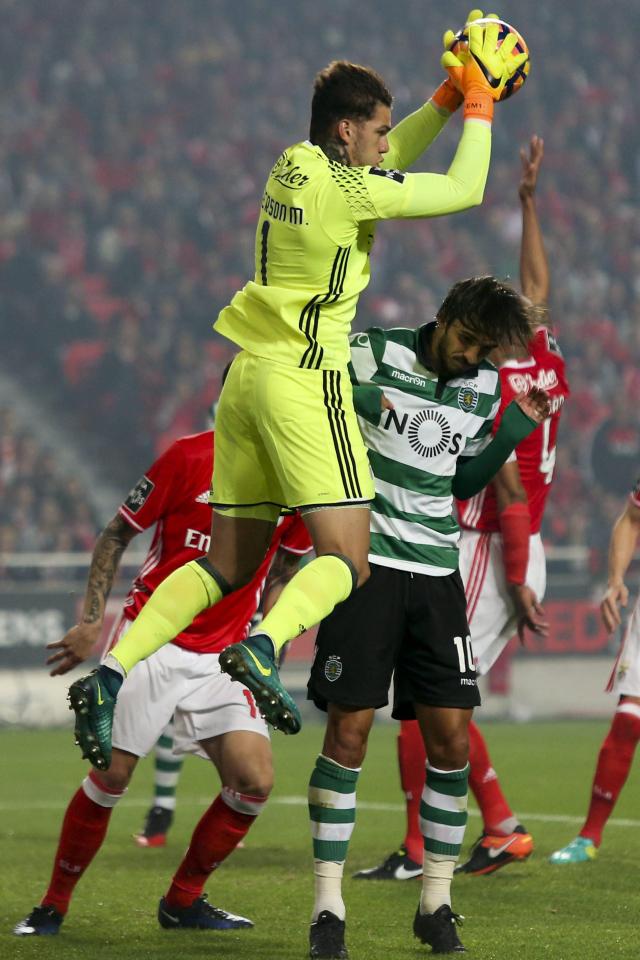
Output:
x=430 y=194
x=416 y=132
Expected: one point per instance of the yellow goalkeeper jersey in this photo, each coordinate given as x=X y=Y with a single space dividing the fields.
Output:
x=316 y=229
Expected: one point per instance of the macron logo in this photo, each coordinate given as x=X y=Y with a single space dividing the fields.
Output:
x=409 y=378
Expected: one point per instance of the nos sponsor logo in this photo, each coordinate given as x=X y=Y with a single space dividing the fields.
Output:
x=428 y=431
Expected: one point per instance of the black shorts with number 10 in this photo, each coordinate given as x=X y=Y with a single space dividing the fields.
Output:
x=413 y=624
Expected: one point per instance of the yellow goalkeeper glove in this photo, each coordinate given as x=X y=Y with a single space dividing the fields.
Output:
x=480 y=69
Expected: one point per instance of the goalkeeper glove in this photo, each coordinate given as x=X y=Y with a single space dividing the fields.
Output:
x=447 y=98
x=482 y=70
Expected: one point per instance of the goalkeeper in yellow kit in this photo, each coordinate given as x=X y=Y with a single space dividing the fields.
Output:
x=287 y=434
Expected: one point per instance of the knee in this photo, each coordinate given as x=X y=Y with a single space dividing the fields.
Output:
x=358 y=566
x=117 y=778
x=115 y=781
x=228 y=579
x=241 y=579
x=450 y=752
x=346 y=744
x=256 y=782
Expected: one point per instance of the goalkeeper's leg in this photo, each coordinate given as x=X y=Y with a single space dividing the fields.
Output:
x=341 y=538
x=240 y=547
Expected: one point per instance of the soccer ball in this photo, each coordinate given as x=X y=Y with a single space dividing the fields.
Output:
x=460 y=47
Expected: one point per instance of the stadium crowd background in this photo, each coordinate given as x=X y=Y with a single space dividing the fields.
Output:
x=135 y=139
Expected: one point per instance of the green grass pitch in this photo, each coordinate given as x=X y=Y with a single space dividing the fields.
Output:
x=527 y=912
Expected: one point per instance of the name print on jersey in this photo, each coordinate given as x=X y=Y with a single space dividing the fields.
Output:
x=523 y=382
x=282 y=211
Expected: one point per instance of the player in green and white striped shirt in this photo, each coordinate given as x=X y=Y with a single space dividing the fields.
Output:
x=426 y=400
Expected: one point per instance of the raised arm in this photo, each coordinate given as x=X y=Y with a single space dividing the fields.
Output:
x=431 y=195
x=534 y=267
x=77 y=644
x=417 y=131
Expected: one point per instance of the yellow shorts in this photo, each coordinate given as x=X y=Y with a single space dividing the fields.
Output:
x=287 y=437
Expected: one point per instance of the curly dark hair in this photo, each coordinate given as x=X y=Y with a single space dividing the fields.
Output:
x=344 y=90
x=490 y=309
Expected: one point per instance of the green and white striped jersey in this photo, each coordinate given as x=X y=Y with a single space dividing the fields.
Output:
x=413 y=449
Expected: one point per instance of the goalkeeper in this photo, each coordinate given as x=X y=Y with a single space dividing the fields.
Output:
x=287 y=433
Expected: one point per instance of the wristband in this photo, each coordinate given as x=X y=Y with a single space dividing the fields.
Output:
x=478 y=104
x=447 y=98
x=515 y=528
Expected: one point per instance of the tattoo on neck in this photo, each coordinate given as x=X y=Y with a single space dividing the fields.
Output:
x=337 y=150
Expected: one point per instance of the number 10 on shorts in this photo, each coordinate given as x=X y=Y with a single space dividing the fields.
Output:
x=465 y=654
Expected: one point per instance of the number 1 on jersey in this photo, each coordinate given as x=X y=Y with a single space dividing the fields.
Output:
x=263 y=251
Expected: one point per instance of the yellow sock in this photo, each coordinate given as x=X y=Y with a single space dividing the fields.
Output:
x=309 y=596
x=174 y=604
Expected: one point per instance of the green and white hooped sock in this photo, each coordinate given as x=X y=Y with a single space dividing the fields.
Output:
x=332 y=811
x=167 y=769
x=443 y=818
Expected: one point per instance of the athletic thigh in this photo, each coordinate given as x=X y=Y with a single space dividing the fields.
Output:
x=436 y=663
x=309 y=426
x=243 y=473
x=358 y=643
x=148 y=699
x=239 y=543
x=212 y=705
x=243 y=760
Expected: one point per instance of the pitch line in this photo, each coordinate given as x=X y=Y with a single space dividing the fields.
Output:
x=298 y=801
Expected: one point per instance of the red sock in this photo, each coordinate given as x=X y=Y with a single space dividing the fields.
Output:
x=83 y=829
x=412 y=759
x=220 y=830
x=483 y=781
x=614 y=763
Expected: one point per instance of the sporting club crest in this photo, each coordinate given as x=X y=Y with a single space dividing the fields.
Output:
x=467 y=398
x=333 y=668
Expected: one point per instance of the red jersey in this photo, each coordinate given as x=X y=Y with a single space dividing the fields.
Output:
x=536 y=454
x=174 y=495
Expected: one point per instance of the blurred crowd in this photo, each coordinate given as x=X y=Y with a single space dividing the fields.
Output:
x=135 y=139
x=42 y=510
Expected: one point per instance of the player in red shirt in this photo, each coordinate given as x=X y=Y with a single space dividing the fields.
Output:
x=619 y=745
x=502 y=564
x=214 y=717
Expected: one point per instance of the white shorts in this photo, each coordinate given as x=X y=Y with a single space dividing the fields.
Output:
x=490 y=610
x=625 y=676
x=191 y=688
